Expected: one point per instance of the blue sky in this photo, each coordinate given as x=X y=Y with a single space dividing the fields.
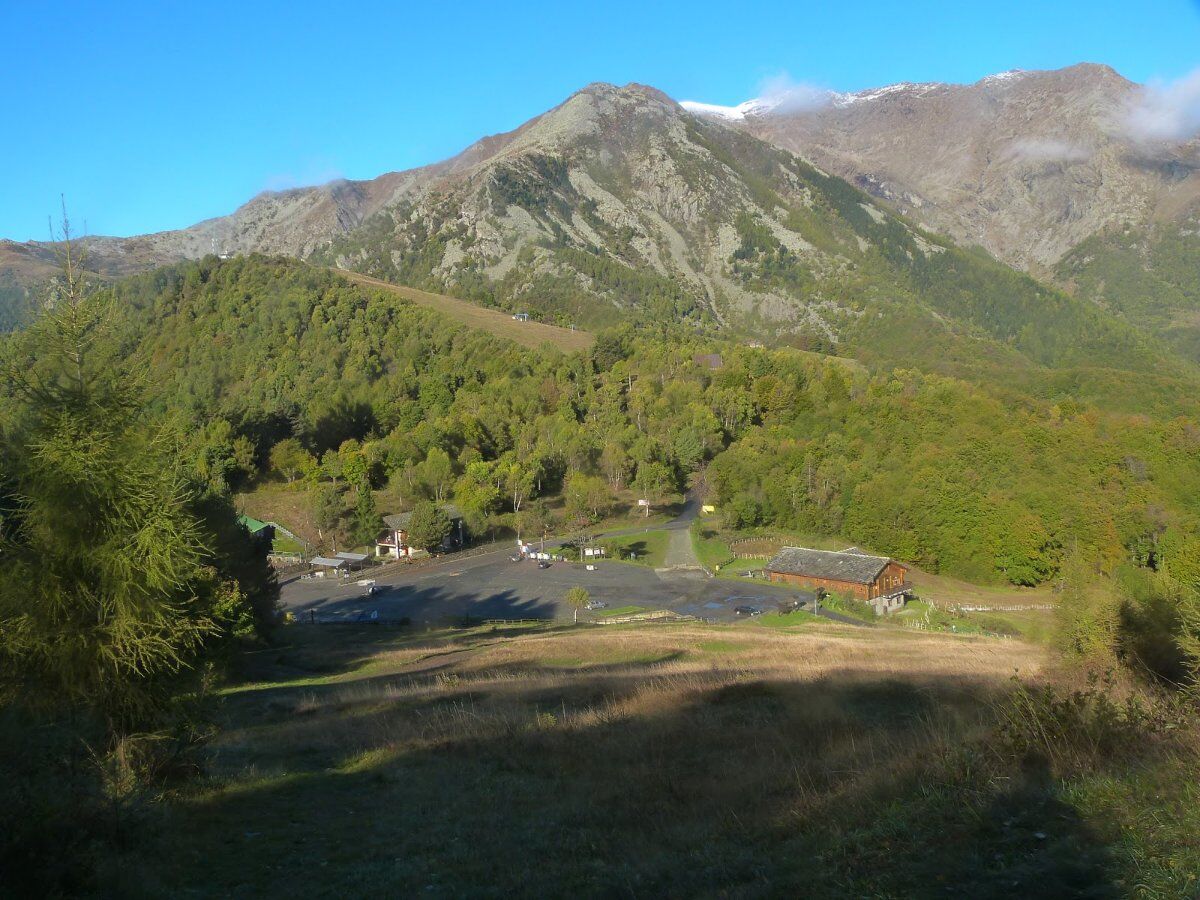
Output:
x=149 y=116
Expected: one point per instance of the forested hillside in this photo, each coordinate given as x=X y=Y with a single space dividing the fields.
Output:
x=1150 y=276
x=17 y=302
x=256 y=354
x=125 y=581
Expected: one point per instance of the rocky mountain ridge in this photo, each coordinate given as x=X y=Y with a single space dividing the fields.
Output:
x=621 y=202
x=1027 y=165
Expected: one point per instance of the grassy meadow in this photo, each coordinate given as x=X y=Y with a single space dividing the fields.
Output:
x=647 y=760
x=647 y=548
x=528 y=334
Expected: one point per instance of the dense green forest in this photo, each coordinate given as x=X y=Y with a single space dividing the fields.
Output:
x=17 y=301
x=274 y=369
x=280 y=370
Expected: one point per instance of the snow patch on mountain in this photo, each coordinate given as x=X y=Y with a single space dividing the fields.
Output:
x=756 y=107
x=781 y=102
x=841 y=101
x=1000 y=77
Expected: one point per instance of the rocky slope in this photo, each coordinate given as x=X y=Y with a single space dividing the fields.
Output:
x=620 y=203
x=1025 y=164
x=617 y=195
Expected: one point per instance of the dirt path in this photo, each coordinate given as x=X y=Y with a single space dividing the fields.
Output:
x=681 y=554
x=528 y=334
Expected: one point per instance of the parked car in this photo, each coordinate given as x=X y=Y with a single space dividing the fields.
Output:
x=595 y=604
x=747 y=611
x=544 y=564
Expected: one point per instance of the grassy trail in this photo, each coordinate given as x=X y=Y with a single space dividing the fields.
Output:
x=501 y=324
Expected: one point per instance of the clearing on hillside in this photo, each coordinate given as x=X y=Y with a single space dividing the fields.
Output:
x=501 y=324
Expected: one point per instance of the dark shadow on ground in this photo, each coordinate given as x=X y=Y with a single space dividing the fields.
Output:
x=623 y=779
x=634 y=549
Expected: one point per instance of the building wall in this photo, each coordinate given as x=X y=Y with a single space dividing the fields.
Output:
x=860 y=591
x=889 y=579
x=892 y=576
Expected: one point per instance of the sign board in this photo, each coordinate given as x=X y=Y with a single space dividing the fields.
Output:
x=708 y=509
x=593 y=551
x=643 y=502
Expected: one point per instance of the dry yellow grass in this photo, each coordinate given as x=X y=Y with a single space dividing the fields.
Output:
x=680 y=650
x=486 y=686
x=528 y=334
x=946 y=591
x=680 y=760
x=290 y=506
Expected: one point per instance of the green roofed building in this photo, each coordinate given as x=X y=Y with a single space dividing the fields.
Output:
x=255 y=527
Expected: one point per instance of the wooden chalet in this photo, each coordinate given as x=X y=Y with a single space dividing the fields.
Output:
x=878 y=580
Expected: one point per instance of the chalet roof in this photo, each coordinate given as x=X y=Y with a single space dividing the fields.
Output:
x=399 y=521
x=846 y=565
x=254 y=526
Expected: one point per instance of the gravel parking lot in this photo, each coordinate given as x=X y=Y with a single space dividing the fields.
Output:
x=492 y=586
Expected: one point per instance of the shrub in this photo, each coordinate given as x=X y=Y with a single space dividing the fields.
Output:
x=1090 y=724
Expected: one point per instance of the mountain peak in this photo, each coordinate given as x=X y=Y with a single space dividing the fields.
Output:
x=1100 y=71
x=631 y=91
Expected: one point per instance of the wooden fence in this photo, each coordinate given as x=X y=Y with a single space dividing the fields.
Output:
x=755 y=547
x=658 y=615
x=1018 y=608
x=951 y=629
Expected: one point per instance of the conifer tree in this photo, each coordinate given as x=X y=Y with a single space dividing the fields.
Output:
x=366 y=516
x=105 y=594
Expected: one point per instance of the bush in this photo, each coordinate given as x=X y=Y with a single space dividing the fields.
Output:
x=1088 y=725
x=849 y=606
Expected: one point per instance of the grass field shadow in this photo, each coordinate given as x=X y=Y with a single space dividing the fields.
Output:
x=666 y=773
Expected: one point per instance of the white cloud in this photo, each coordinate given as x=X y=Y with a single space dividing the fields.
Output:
x=312 y=173
x=777 y=94
x=1048 y=150
x=785 y=95
x=1167 y=112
